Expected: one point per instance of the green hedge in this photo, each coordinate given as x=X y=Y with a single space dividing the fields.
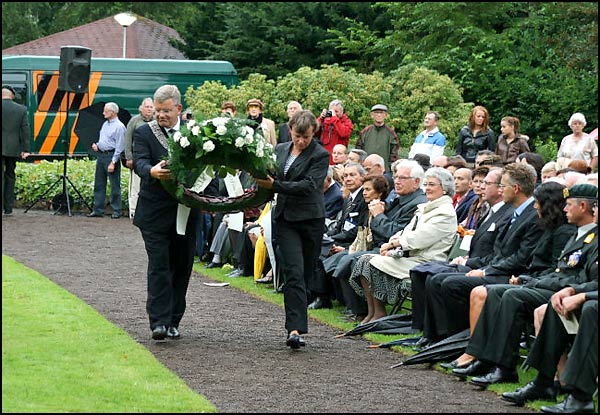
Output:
x=44 y=180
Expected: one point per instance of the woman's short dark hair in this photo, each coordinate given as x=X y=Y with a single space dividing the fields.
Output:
x=380 y=184
x=551 y=201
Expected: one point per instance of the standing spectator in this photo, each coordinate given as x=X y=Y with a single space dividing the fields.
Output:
x=579 y=145
x=430 y=141
x=15 y=144
x=476 y=135
x=511 y=143
x=228 y=107
x=170 y=255
x=284 y=128
x=299 y=217
x=255 y=113
x=109 y=147
x=146 y=114
x=334 y=127
x=379 y=138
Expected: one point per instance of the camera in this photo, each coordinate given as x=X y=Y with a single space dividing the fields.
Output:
x=329 y=113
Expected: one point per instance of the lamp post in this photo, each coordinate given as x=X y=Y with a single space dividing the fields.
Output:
x=125 y=19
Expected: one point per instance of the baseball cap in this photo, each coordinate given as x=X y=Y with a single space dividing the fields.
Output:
x=379 y=107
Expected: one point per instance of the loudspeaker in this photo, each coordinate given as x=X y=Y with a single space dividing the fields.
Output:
x=74 y=72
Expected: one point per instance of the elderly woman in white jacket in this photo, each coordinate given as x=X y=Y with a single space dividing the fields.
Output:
x=428 y=237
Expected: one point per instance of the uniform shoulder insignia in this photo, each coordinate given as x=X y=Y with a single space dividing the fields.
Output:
x=589 y=238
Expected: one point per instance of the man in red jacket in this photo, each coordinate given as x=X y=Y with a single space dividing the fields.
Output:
x=334 y=127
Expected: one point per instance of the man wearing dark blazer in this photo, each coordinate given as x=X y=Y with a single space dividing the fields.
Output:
x=495 y=340
x=299 y=216
x=512 y=252
x=332 y=193
x=170 y=255
x=15 y=144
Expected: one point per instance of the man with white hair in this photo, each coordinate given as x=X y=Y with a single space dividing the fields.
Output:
x=334 y=127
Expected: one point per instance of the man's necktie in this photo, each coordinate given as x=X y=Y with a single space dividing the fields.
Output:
x=514 y=218
x=347 y=208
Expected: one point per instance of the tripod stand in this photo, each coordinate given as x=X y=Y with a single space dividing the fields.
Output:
x=64 y=199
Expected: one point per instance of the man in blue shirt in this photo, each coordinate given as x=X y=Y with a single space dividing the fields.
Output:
x=109 y=147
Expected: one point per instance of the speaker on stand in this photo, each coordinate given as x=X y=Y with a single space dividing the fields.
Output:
x=74 y=76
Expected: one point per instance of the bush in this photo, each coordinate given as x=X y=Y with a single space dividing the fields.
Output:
x=409 y=93
x=44 y=180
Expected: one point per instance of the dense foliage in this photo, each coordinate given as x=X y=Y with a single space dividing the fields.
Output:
x=534 y=60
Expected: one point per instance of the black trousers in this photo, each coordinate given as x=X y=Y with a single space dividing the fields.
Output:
x=299 y=244
x=170 y=261
x=581 y=370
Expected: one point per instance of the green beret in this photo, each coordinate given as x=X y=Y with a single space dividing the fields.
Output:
x=581 y=191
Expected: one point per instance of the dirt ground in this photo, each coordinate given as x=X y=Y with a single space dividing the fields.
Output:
x=232 y=348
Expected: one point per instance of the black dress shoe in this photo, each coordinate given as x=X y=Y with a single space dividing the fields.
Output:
x=530 y=392
x=454 y=365
x=173 y=332
x=497 y=375
x=476 y=368
x=213 y=265
x=159 y=332
x=320 y=303
x=294 y=341
x=422 y=343
x=94 y=215
x=570 y=406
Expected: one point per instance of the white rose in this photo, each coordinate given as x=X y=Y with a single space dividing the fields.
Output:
x=219 y=121
x=260 y=152
x=196 y=130
x=239 y=142
x=248 y=130
x=249 y=139
x=221 y=130
x=176 y=136
x=191 y=123
x=184 y=142
x=208 y=146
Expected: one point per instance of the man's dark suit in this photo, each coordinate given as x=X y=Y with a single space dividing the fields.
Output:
x=462 y=209
x=334 y=200
x=506 y=312
x=15 y=140
x=170 y=256
x=299 y=217
x=513 y=249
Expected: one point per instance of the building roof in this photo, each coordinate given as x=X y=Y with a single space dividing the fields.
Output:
x=146 y=39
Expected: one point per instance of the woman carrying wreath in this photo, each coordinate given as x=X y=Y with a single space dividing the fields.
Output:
x=299 y=216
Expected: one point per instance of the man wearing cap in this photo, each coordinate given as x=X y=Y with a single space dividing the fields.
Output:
x=254 y=107
x=505 y=314
x=15 y=144
x=379 y=138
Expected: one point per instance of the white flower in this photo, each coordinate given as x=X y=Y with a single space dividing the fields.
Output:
x=176 y=136
x=208 y=146
x=221 y=130
x=260 y=152
x=248 y=130
x=239 y=142
x=184 y=142
x=196 y=130
x=220 y=121
x=191 y=123
x=249 y=139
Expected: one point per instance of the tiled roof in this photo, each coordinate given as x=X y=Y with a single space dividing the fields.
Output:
x=146 y=39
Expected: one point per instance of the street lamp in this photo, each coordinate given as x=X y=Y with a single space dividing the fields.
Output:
x=125 y=19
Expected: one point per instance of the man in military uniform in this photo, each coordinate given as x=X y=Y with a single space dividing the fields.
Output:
x=580 y=374
x=505 y=314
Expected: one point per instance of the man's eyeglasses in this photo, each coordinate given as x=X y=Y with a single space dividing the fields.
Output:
x=164 y=110
x=403 y=177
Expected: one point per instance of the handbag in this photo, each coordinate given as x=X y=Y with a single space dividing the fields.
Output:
x=363 y=240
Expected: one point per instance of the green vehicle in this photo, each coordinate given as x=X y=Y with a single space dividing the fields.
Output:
x=124 y=81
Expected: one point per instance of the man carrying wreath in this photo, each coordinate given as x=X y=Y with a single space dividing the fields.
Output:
x=170 y=254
